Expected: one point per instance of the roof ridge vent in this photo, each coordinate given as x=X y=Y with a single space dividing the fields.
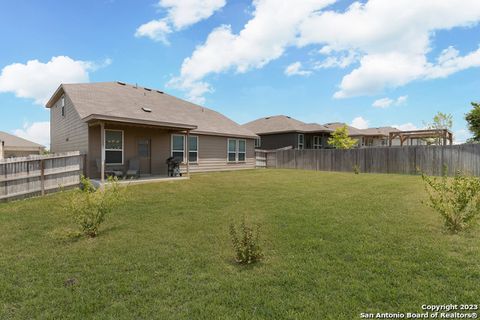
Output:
x=148 y=89
x=161 y=92
x=121 y=83
x=146 y=109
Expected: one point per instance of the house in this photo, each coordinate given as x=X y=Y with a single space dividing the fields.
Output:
x=13 y=146
x=283 y=131
x=113 y=123
x=370 y=137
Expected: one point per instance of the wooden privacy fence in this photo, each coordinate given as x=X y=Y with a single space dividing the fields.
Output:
x=401 y=160
x=36 y=175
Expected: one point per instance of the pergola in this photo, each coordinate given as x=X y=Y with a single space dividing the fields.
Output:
x=442 y=135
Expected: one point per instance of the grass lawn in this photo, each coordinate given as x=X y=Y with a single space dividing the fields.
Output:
x=336 y=245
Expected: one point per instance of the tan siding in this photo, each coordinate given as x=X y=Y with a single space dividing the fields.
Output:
x=67 y=133
x=212 y=155
x=212 y=150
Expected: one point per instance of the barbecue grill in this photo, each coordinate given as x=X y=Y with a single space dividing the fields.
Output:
x=173 y=167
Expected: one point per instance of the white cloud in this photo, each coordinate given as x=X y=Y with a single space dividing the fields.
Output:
x=340 y=61
x=156 y=30
x=295 y=69
x=450 y=62
x=180 y=15
x=38 y=132
x=387 y=102
x=392 y=46
x=383 y=103
x=389 y=40
x=37 y=80
x=264 y=38
x=401 y=100
x=360 y=123
x=406 y=126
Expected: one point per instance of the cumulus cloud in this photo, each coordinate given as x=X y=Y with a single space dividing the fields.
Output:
x=393 y=46
x=390 y=48
x=38 y=132
x=387 y=102
x=360 y=123
x=273 y=27
x=295 y=69
x=180 y=15
x=37 y=80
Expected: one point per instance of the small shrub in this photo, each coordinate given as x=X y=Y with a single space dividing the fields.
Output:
x=356 y=169
x=89 y=206
x=246 y=243
x=456 y=199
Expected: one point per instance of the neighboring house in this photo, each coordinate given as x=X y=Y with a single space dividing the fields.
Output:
x=353 y=132
x=282 y=131
x=13 y=146
x=115 y=122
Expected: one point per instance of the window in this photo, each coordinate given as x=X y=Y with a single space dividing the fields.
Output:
x=317 y=142
x=114 y=147
x=301 y=141
x=258 y=142
x=63 y=106
x=237 y=150
x=242 y=149
x=193 y=149
x=178 y=148
x=232 y=150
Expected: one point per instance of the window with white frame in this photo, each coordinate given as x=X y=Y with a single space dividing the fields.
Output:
x=193 y=149
x=301 y=141
x=258 y=142
x=63 y=106
x=178 y=148
x=237 y=150
x=317 y=142
x=114 y=147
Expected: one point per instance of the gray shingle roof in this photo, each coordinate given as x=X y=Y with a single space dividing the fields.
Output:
x=380 y=131
x=17 y=143
x=125 y=101
x=352 y=131
x=276 y=124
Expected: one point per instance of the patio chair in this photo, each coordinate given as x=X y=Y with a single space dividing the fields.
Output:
x=133 y=168
x=107 y=173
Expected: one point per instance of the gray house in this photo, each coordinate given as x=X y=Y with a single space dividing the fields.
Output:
x=113 y=123
x=282 y=131
x=13 y=146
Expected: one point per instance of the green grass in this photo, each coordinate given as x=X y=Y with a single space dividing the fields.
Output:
x=336 y=244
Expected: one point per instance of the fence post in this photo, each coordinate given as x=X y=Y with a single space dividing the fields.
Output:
x=42 y=176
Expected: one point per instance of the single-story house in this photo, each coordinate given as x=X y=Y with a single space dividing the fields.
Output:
x=13 y=146
x=374 y=137
x=281 y=131
x=113 y=123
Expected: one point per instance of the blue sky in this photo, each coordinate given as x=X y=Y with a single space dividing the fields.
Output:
x=372 y=63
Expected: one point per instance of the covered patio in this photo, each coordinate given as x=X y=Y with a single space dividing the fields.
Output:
x=137 y=151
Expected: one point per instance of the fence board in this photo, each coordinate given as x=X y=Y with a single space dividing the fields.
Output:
x=28 y=176
x=401 y=160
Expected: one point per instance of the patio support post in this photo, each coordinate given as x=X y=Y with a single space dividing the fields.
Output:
x=102 y=157
x=188 y=153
